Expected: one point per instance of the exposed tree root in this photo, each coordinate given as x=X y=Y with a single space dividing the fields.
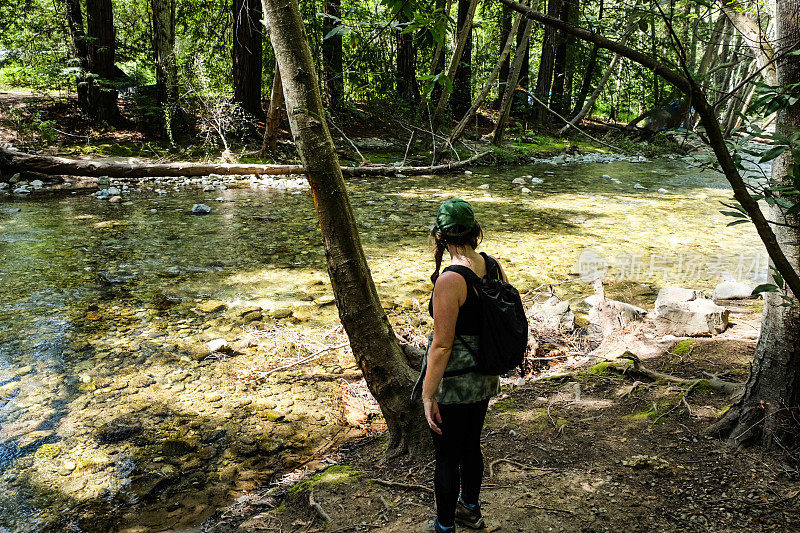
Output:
x=638 y=369
x=404 y=486
x=317 y=507
x=13 y=161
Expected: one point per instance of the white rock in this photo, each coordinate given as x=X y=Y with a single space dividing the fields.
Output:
x=37 y=184
x=537 y=181
x=701 y=196
x=217 y=344
x=518 y=181
x=687 y=313
x=732 y=290
x=3 y=185
x=154 y=210
x=21 y=191
x=615 y=180
x=219 y=199
x=554 y=314
x=624 y=313
x=484 y=186
x=639 y=186
x=113 y=191
x=663 y=191
x=668 y=338
x=607 y=176
x=208 y=188
x=200 y=209
x=468 y=172
x=525 y=190
x=115 y=199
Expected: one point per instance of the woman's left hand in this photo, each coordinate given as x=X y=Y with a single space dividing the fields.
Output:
x=432 y=414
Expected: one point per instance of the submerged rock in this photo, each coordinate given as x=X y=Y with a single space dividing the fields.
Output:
x=200 y=209
x=217 y=345
x=518 y=181
x=688 y=313
x=117 y=430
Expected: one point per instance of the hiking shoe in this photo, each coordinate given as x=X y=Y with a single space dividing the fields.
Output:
x=469 y=515
x=432 y=526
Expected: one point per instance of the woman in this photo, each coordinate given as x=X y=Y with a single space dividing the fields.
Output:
x=455 y=402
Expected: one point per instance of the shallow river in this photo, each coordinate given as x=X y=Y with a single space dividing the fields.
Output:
x=112 y=416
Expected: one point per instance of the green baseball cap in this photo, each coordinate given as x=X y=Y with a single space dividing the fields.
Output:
x=455 y=213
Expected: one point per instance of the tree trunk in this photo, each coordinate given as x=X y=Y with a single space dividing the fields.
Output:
x=164 y=53
x=513 y=76
x=247 y=54
x=437 y=63
x=505 y=32
x=545 y=78
x=407 y=86
x=519 y=102
x=77 y=38
x=101 y=96
x=768 y=411
x=461 y=99
x=12 y=161
x=756 y=40
x=388 y=375
x=503 y=60
x=332 y=55
x=557 y=102
x=270 y=144
x=463 y=37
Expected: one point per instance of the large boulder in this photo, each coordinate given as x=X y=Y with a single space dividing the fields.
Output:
x=688 y=313
x=732 y=290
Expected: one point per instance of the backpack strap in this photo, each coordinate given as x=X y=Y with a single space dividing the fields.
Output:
x=492 y=266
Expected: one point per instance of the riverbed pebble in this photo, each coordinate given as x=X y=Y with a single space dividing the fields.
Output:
x=663 y=191
x=37 y=184
x=200 y=209
x=639 y=186
x=217 y=345
x=537 y=181
x=518 y=181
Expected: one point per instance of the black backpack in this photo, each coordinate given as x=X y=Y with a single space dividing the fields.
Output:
x=504 y=326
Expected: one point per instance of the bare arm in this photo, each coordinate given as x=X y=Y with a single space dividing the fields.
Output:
x=448 y=295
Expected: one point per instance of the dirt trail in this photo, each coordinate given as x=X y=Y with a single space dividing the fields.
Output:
x=588 y=454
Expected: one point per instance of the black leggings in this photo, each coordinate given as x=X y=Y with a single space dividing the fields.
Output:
x=459 y=461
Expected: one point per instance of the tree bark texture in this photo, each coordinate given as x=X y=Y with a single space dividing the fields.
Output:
x=407 y=86
x=247 y=55
x=770 y=408
x=544 y=79
x=332 y=54
x=163 y=12
x=388 y=375
x=270 y=143
x=519 y=100
x=101 y=95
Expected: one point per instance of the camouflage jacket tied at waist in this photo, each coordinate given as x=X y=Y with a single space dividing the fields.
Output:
x=465 y=388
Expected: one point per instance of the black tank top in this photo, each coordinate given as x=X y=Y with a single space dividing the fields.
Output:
x=469 y=314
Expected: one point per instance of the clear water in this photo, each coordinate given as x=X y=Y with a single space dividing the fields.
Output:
x=80 y=279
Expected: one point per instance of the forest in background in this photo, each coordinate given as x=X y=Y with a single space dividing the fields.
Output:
x=209 y=65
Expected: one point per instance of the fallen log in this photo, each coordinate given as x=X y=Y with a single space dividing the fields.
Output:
x=12 y=161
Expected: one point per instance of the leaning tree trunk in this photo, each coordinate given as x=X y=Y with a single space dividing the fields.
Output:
x=557 y=93
x=503 y=60
x=166 y=67
x=270 y=144
x=505 y=33
x=388 y=375
x=101 y=96
x=247 y=53
x=770 y=408
x=461 y=42
x=511 y=86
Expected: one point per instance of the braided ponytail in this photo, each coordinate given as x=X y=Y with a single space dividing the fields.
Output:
x=438 y=251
